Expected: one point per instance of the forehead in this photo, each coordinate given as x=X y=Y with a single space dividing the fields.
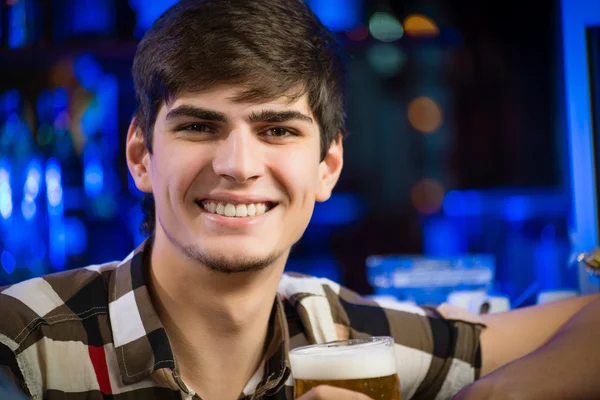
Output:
x=229 y=100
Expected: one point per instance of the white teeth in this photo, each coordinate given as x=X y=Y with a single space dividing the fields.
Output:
x=232 y=210
x=229 y=210
x=241 y=211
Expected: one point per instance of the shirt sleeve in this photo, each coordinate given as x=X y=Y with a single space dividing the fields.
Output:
x=437 y=349
x=455 y=352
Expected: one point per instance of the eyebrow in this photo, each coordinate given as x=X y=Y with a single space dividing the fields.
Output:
x=278 y=116
x=198 y=113
x=270 y=116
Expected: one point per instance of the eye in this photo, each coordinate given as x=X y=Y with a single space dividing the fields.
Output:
x=196 y=127
x=279 y=132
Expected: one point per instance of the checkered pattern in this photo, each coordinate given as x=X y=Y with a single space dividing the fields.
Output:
x=93 y=333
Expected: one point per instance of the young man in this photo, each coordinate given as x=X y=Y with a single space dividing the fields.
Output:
x=237 y=134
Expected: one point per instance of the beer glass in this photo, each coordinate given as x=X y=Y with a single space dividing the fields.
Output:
x=365 y=365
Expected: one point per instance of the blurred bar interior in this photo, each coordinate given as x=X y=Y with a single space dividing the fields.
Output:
x=470 y=170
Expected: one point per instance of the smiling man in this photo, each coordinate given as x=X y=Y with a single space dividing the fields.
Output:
x=234 y=182
x=238 y=133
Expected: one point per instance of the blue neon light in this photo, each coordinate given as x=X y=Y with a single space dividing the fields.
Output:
x=8 y=262
x=6 y=204
x=44 y=106
x=12 y=128
x=133 y=188
x=60 y=101
x=517 y=209
x=31 y=189
x=75 y=236
x=462 y=203
x=93 y=172
x=17 y=24
x=90 y=16
x=340 y=209
x=57 y=255
x=90 y=120
x=54 y=189
x=147 y=12
x=511 y=204
x=28 y=209
x=33 y=180
x=93 y=178
x=87 y=71
x=320 y=266
x=107 y=100
x=337 y=15
x=576 y=16
x=443 y=238
x=10 y=101
x=56 y=225
x=38 y=250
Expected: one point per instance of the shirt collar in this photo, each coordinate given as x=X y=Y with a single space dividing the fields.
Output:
x=141 y=341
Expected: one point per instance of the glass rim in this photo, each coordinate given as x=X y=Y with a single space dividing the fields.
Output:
x=344 y=344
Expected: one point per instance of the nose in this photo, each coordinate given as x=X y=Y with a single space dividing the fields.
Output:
x=238 y=157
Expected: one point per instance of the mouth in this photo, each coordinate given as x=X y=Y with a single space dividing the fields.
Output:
x=236 y=210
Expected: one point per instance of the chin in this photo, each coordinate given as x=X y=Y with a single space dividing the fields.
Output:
x=232 y=258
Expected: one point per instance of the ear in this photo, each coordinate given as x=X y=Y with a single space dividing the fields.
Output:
x=138 y=158
x=330 y=169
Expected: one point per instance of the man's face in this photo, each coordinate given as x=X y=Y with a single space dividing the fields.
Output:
x=235 y=183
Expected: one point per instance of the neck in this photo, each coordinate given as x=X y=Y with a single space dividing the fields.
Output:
x=216 y=322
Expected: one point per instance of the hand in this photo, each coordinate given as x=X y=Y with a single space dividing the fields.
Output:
x=324 y=392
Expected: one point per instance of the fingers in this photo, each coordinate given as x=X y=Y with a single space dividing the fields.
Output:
x=325 y=392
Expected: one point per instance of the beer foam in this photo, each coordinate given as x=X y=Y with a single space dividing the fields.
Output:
x=343 y=362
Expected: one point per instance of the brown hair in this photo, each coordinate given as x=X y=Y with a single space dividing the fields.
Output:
x=269 y=47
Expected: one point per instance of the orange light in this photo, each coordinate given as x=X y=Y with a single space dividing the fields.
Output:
x=424 y=114
x=417 y=25
x=427 y=196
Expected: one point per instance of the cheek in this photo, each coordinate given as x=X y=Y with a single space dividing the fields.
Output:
x=174 y=169
x=298 y=171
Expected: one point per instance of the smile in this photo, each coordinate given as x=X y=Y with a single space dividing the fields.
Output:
x=236 y=210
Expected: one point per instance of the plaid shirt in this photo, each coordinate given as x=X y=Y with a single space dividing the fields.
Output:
x=92 y=333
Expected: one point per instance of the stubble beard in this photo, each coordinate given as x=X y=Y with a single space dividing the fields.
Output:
x=220 y=262
x=228 y=265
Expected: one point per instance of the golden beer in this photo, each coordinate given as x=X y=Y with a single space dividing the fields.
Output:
x=362 y=365
x=385 y=387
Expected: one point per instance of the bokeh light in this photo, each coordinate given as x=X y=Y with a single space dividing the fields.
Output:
x=45 y=134
x=337 y=15
x=28 y=209
x=8 y=262
x=147 y=12
x=54 y=190
x=417 y=25
x=6 y=204
x=62 y=74
x=361 y=32
x=427 y=196
x=425 y=115
x=386 y=59
x=385 y=27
